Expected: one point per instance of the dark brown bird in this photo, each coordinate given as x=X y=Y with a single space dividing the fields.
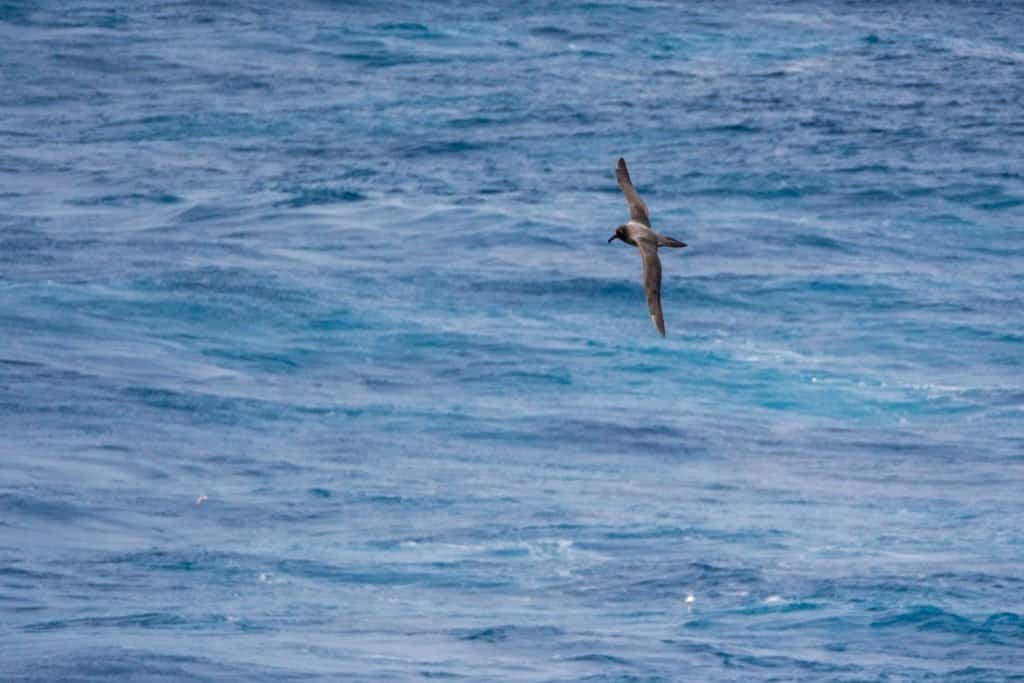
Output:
x=639 y=233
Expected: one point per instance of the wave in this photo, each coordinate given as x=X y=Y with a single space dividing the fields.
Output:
x=510 y=633
x=1008 y=625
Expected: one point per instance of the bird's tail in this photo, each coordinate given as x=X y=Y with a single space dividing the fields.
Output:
x=669 y=242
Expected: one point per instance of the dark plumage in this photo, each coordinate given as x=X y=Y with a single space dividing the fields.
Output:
x=639 y=233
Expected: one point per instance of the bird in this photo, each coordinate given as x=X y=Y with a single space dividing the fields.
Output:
x=639 y=233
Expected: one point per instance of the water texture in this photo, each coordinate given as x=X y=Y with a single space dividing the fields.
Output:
x=315 y=363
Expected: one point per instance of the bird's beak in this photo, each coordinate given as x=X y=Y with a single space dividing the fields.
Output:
x=613 y=237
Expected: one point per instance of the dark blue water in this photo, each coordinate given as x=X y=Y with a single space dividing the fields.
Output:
x=315 y=363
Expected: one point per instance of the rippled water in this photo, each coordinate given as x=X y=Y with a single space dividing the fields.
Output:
x=316 y=365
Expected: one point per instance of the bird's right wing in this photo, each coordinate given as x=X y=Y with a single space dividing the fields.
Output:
x=637 y=208
x=652 y=282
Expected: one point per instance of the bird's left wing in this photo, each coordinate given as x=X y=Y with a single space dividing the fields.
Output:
x=652 y=282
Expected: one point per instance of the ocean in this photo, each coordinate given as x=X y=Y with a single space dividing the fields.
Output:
x=316 y=364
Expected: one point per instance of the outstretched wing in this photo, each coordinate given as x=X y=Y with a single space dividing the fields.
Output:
x=652 y=282
x=637 y=208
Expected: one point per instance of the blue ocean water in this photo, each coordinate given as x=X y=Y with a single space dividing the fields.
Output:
x=315 y=363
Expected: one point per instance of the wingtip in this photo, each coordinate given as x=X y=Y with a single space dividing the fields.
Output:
x=622 y=163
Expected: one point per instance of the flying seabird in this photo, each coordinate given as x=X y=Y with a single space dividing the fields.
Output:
x=638 y=232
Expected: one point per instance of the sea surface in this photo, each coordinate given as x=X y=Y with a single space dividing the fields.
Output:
x=315 y=363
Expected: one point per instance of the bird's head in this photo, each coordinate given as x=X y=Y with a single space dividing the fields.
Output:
x=620 y=234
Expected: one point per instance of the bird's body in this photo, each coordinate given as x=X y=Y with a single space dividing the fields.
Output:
x=638 y=232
